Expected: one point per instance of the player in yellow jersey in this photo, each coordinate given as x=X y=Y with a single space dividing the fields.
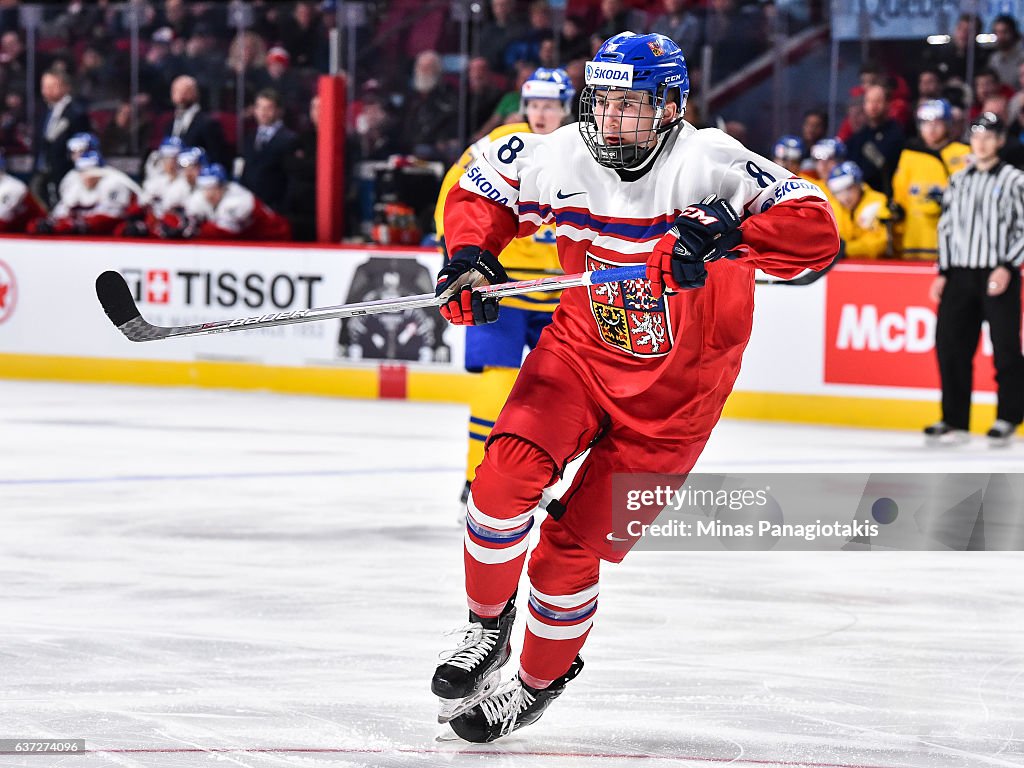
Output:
x=921 y=177
x=495 y=351
x=788 y=152
x=861 y=213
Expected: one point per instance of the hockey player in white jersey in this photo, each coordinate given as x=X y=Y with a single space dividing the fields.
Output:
x=77 y=146
x=638 y=371
x=99 y=201
x=18 y=206
x=181 y=196
x=229 y=211
x=160 y=173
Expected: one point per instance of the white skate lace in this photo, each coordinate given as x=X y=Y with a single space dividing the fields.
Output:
x=507 y=704
x=476 y=643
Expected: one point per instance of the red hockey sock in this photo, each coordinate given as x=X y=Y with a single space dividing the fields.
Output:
x=563 y=600
x=502 y=502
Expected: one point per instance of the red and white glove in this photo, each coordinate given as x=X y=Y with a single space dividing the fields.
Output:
x=469 y=268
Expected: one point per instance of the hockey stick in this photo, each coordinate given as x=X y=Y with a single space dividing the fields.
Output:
x=119 y=304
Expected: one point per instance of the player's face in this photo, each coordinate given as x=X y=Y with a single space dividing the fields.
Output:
x=824 y=167
x=544 y=115
x=933 y=132
x=985 y=144
x=213 y=195
x=625 y=117
x=849 y=198
x=192 y=173
x=171 y=165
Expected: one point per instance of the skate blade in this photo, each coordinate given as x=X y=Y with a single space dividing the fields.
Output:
x=1000 y=442
x=447 y=735
x=449 y=709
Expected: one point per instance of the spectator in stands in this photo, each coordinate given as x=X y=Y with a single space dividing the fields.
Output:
x=236 y=214
x=118 y=139
x=1008 y=55
x=280 y=76
x=247 y=56
x=986 y=85
x=204 y=62
x=101 y=201
x=159 y=68
x=501 y=29
x=539 y=28
x=876 y=147
x=1012 y=151
x=193 y=126
x=18 y=206
x=929 y=86
x=178 y=18
x=508 y=108
x=304 y=37
x=1016 y=105
x=15 y=135
x=12 y=62
x=95 y=82
x=854 y=120
x=616 y=16
x=266 y=151
x=812 y=130
x=429 y=111
x=682 y=21
x=300 y=170
x=950 y=59
x=735 y=34
x=572 y=40
x=62 y=118
x=861 y=213
x=920 y=180
x=484 y=94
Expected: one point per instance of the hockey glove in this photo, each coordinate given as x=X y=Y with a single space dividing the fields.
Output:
x=469 y=268
x=704 y=232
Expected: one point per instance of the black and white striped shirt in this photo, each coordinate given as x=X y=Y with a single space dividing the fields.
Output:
x=982 y=222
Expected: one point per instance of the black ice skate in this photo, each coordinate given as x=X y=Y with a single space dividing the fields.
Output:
x=1001 y=434
x=512 y=707
x=940 y=433
x=472 y=671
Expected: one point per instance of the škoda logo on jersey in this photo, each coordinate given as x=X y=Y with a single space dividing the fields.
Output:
x=628 y=316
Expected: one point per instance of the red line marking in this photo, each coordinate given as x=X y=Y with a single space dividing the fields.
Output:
x=477 y=751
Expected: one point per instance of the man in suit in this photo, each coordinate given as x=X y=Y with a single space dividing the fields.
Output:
x=63 y=118
x=194 y=127
x=267 y=152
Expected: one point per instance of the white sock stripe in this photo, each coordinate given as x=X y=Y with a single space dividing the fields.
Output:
x=493 y=556
x=567 y=601
x=497 y=523
x=550 y=632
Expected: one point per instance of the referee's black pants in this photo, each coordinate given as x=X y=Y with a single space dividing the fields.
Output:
x=965 y=304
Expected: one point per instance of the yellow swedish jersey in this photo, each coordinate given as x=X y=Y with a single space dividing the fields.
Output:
x=921 y=177
x=525 y=258
x=863 y=229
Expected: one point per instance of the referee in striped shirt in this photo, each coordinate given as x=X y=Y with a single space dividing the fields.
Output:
x=981 y=249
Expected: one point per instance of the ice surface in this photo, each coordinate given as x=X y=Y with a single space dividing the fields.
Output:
x=195 y=578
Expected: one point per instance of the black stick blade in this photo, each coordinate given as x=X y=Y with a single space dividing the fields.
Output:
x=116 y=298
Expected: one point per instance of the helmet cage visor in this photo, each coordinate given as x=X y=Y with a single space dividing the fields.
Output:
x=621 y=128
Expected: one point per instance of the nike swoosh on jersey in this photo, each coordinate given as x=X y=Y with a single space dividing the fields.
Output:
x=560 y=196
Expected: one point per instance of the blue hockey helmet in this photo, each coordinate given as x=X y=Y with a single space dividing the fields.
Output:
x=788 y=148
x=89 y=160
x=82 y=142
x=829 y=149
x=548 y=83
x=844 y=176
x=192 y=156
x=213 y=175
x=651 y=64
x=171 y=146
x=935 y=109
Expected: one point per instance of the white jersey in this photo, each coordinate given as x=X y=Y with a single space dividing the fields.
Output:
x=177 y=194
x=198 y=207
x=156 y=184
x=555 y=178
x=234 y=211
x=13 y=194
x=112 y=196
